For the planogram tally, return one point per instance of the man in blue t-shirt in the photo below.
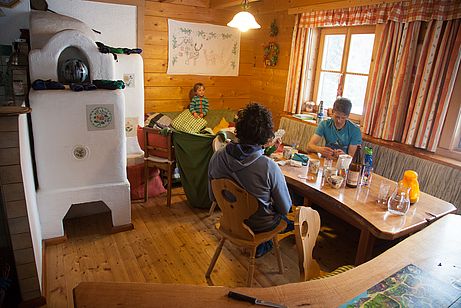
(341, 135)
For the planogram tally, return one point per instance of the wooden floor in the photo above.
(173, 245)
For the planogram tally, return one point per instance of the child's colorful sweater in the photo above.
(199, 105)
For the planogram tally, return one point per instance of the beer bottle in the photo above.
(353, 175)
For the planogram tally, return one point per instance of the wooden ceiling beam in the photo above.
(224, 4)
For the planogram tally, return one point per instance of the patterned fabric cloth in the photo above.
(302, 67)
(157, 120)
(405, 11)
(186, 122)
(199, 105)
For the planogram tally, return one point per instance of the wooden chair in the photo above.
(237, 205)
(307, 227)
(159, 153)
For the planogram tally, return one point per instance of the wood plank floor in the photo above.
(173, 245)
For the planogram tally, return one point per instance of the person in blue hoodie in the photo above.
(260, 176)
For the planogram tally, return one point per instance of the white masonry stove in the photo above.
(79, 137)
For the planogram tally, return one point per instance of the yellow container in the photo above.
(410, 179)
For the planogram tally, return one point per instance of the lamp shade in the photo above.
(244, 21)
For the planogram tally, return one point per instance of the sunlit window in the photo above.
(345, 56)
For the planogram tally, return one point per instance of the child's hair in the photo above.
(193, 91)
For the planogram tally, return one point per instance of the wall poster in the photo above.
(202, 49)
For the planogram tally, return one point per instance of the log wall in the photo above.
(255, 81)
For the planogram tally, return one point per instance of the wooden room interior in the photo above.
(158, 257)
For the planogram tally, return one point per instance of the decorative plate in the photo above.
(100, 117)
(80, 152)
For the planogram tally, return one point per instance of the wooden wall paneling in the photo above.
(165, 92)
(199, 3)
(268, 84)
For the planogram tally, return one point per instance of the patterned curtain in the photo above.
(411, 85)
(301, 70)
(404, 11)
(434, 82)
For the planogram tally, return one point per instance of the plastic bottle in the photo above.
(410, 179)
(368, 160)
(353, 176)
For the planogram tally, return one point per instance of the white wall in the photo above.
(15, 18)
(117, 23)
(31, 196)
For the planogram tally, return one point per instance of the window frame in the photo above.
(449, 144)
(348, 31)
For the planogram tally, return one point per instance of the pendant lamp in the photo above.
(244, 20)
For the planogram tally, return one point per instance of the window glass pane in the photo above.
(333, 52)
(361, 48)
(355, 88)
(328, 86)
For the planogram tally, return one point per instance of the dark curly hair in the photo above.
(254, 124)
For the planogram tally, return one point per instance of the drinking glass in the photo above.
(367, 173)
(383, 194)
(399, 202)
(327, 162)
(313, 168)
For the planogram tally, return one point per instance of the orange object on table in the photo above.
(410, 179)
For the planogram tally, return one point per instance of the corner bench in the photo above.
(439, 180)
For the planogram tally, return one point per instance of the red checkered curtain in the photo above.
(411, 85)
(300, 79)
(404, 11)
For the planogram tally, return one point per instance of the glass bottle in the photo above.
(410, 179)
(320, 115)
(399, 202)
(355, 167)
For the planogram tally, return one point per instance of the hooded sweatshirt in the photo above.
(259, 176)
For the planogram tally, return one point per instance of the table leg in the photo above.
(365, 248)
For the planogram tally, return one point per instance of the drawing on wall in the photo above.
(100, 117)
(130, 126)
(202, 49)
(128, 79)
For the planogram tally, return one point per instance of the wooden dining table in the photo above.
(436, 250)
(359, 207)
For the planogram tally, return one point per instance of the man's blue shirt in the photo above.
(339, 139)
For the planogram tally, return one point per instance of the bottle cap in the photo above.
(368, 150)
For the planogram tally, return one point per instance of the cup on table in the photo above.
(367, 174)
(383, 194)
(327, 162)
(287, 152)
(313, 168)
(329, 171)
(335, 181)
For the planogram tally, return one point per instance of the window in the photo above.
(450, 139)
(343, 65)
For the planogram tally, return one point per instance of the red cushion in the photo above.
(136, 178)
(158, 140)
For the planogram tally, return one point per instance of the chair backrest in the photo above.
(157, 144)
(236, 205)
(307, 227)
